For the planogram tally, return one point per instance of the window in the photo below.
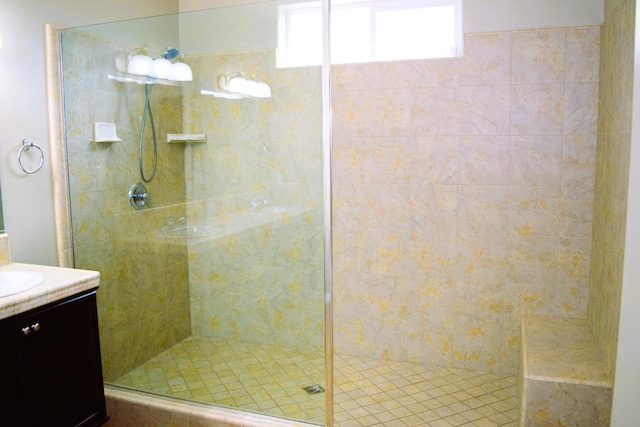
(364, 31)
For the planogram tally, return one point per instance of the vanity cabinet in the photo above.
(50, 367)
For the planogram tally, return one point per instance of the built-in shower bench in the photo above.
(563, 378)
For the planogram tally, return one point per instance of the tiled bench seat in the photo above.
(563, 380)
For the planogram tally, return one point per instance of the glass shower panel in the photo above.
(213, 291)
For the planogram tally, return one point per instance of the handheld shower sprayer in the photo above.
(164, 69)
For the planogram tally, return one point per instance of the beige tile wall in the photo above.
(612, 174)
(262, 279)
(143, 300)
(5, 249)
(463, 194)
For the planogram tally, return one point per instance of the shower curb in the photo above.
(128, 408)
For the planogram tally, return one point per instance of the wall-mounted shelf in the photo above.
(133, 78)
(222, 94)
(181, 138)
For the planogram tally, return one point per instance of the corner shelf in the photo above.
(133, 78)
(182, 138)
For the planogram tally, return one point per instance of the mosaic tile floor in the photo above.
(368, 392)
(373, 392)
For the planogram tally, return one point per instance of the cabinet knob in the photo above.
(33, 328)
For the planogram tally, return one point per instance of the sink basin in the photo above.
(14, 282)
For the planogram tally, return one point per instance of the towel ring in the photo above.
(26, 144)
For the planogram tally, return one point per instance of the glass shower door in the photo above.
(213, 291)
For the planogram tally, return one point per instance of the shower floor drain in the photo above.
(313, 389)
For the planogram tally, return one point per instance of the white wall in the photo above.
(626, 393)
(490, 15)
(189, 5)
(241, 28)
(28, 200)
(154, 33)
(501, 15)
(253, 27)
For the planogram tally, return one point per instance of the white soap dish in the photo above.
(105, 132)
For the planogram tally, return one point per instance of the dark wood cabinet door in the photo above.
(65, 363)
(56, 379)
(13, 384)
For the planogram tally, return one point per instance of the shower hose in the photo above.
(147, 109)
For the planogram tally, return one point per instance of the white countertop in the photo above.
(58, 283)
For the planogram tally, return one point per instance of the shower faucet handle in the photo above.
(141, 198)
(138, 196)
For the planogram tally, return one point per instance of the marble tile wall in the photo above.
(553, 403)
(143, 294)
(612, 174)
(263, 282)
(463, 194)
(563, 378)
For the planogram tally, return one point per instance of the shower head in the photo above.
(170, 53)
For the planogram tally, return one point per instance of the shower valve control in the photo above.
(138, 196)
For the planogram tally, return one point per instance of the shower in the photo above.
(454, 208)
(200, 272)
